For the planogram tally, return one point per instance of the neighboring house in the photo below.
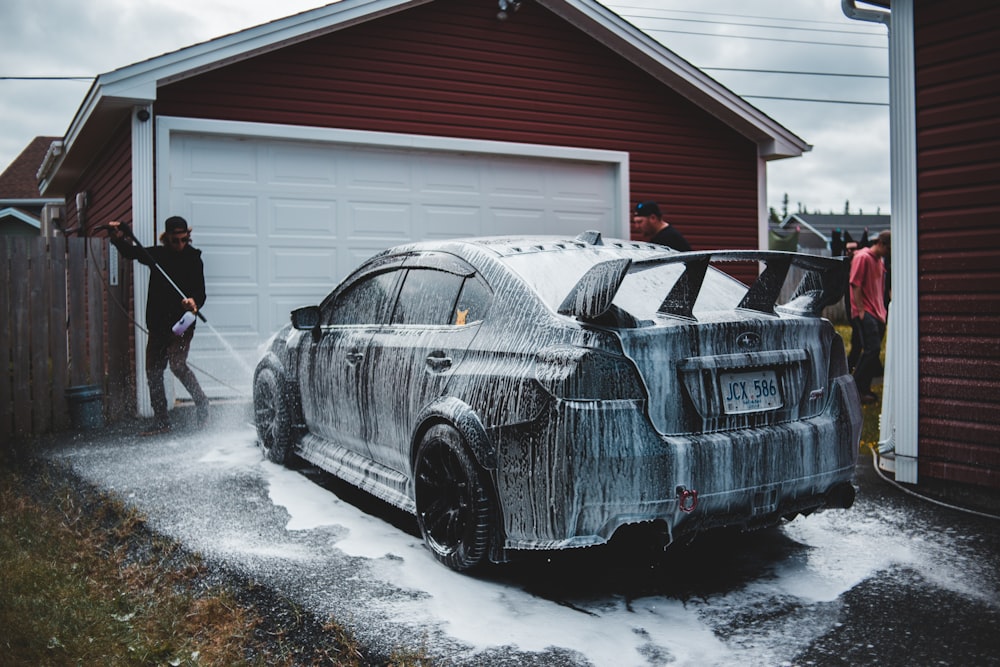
(941, 411)
(300, 147)
(817, 231)
(20, 203)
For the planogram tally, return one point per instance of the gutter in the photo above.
(899, 428)
(852, 11)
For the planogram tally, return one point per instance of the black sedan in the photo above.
(541, 393)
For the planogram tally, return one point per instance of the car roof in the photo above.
(506, 246)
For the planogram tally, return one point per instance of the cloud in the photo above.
(850, 156)
(849, 161)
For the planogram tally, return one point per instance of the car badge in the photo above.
(748, 341)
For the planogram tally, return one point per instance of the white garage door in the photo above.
(280, 222)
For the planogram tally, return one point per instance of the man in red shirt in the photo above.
(868, 312)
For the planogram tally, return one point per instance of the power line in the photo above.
(739, 16)
(781, 71)
(46, 78)
(755, 25)
(807, 99)
(769, 39)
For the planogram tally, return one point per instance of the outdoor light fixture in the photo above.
(508, 7)
(142, 115)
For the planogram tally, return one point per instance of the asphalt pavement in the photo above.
(895, 580)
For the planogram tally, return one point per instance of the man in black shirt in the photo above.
(164, 307)
(648, 225)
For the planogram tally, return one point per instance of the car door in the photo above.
(335, 370)
(438, 312)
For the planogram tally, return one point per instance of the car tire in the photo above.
(452, 499)
(272, 416)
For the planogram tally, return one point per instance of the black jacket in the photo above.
(672, 238)
(185, 268)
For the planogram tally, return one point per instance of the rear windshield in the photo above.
(553, 275)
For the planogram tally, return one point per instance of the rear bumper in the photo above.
(583, 470)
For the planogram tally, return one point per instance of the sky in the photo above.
(798, 45)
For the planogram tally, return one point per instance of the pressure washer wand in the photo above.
(128, 232)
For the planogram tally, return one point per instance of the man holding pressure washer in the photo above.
(176, 293)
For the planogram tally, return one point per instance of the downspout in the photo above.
(899, 432)
(144, 228)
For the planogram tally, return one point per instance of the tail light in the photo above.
(586, 374)
(838, 358)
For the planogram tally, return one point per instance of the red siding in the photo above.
(108, 182)
(958, 176)
(451, 68)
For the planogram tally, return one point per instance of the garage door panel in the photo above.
(580, 186)
(507, 181)
(230, 265)
(222, 214)
(306, 220)
(234, 314)
(450, 176)
(218, 160)
(301, 266)
(354, 254)
(574, 222)
(379, 219)
(441, 222)
(383, 171)
(301, 166)
(516, 221)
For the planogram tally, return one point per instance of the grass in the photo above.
(871, 411)
(85, 582)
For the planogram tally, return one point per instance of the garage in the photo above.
(281, 214)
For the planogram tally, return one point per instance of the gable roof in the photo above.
(11, 215)
(19, 181)
(113, 94)
(824, 224)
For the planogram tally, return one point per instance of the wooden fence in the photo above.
(61, 327)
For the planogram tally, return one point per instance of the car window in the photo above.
(427, 297)
(473, 302)
(364, 302)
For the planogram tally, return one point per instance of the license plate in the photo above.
(754, 391)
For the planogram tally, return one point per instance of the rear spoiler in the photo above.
(823, 283)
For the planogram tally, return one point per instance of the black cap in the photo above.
(647, 208)
(175, 224)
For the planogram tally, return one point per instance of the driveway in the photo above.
(893, 580)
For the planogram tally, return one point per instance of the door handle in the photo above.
(438, 362)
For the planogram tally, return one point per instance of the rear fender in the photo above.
(464, 419)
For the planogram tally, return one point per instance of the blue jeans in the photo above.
(869, 365)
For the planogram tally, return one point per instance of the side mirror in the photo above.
(306, 319)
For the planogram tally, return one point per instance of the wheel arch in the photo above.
(459, 415)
